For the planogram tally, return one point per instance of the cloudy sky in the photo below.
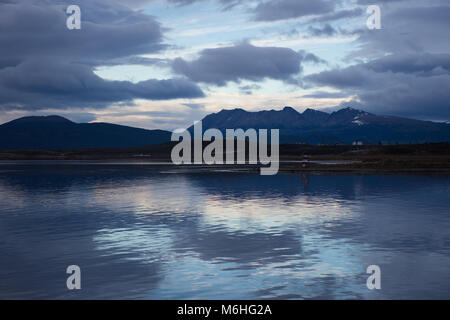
(165, 63)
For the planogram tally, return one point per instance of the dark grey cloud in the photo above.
(108, 32)
(279, 9)
(340, 14)
(320, 30)
(45, 65)
(248, 89)
(414, 85)
(242, 61)
(288, 9)
(136, 60)
(311, 57)
(227, 4)
(326, 30)
(45, 83)
(370, 2)
(417, 27)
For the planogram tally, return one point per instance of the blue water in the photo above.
(155, 232)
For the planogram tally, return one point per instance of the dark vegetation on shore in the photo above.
(431, 156)
(417, 157)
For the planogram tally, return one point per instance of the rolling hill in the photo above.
(55, 132)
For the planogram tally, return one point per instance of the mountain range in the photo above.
(344, 126)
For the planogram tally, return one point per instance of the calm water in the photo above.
(153, 232)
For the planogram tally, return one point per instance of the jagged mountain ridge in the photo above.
(311, 126)
(343, 126)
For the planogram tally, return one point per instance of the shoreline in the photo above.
(295, 158)
(285, 166)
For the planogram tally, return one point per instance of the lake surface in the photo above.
(157, 232)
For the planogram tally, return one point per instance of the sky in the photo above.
(166, 63)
